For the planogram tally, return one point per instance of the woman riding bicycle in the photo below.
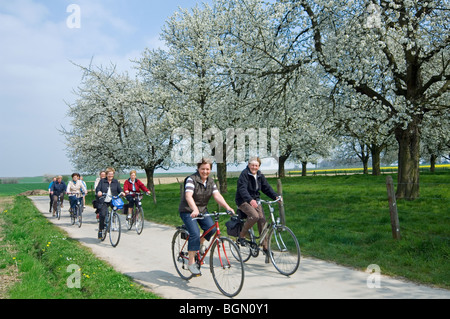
(133, 185)
(74, 187)
(250, 182)
(57, 191)
(109, 187)
(198, 189)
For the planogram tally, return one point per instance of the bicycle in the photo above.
(282, 247)
(58, 207)
(137, 216)
(77, 213)
(112, 223)
(228, 273)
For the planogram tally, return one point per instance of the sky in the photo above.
(39, 42)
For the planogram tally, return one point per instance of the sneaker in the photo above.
(194, 270)
(100, 235)
(242, 241)
(202, 250)
(129, 217)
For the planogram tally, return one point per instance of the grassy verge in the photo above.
(346, 219)
(47, 260)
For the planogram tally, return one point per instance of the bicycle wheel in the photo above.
(105, 231)
(227, 272)
(284, 250)
(73, 215)
(180, 253)
(139, 220)
(130, 221)
(79, 215)
(114, 229)
(248, 250)
(58, 211)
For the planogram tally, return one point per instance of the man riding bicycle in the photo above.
(250, 182)
(57, 191)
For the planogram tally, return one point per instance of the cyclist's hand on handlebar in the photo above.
(99, 194)
(280, 198)
(230, 211)
(195, 213)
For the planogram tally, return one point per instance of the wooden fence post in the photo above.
(281, 205)
(395, 224)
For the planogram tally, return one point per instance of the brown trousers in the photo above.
(254, 216)
(55, 201)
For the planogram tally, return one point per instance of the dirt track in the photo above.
(147, 259)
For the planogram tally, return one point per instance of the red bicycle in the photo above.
(225, 261)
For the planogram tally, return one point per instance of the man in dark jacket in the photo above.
(58, 189)
(250, 183)
(109, 187)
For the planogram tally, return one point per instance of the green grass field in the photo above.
(46, 260)
(346, 219)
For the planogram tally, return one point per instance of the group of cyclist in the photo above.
(198, 190)
(106, 187)
(75, 188)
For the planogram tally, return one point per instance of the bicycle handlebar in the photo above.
(215, 214)
(113, 197)
(137, 193)
(270, 202)
(75, 194)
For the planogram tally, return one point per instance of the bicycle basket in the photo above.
(118, 202)
(234, 226)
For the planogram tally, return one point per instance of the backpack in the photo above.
(234, 226)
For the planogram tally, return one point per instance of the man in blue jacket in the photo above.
(250, 183)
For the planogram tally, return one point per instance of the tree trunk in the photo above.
(433, 163)
(222, 177)
(408, 161)
(376, 150)
(366, 165)
(149, 171)
(281, 161)
(304, 164)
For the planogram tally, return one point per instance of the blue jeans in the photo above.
(74, 200)
(194, 231)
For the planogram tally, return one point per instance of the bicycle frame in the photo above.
(139, 199)
(79, 197)
(201, 257)
(268, 226)
(227, 270)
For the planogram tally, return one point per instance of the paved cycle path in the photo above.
(147, 259)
